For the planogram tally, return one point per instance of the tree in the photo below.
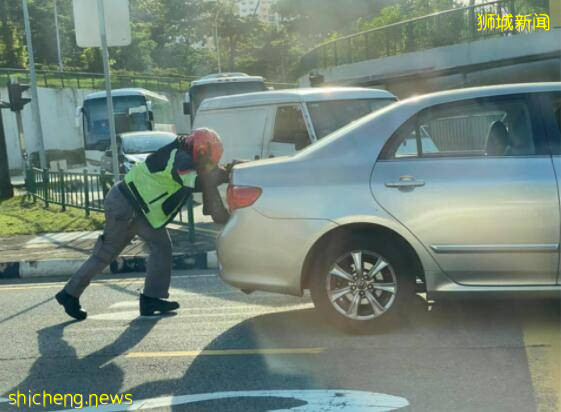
(11, 34)
(315, 20)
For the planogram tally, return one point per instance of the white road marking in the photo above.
(126, 281)
(316, 400)
(127, 304)
(187, 313)
(4, 400)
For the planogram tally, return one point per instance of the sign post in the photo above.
(112, 29)
(35, 96)
(110, 116)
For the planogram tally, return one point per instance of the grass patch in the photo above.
(20, 216)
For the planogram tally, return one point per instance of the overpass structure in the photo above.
(437, 52)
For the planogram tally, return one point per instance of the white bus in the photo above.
(135, 110)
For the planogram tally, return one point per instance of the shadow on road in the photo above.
(60, 369)
(353, 362)
(449, 331)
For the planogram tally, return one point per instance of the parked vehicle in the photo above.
(220, 84)
(134, 147)
(135, 110)
(277, 123)
(457, 192)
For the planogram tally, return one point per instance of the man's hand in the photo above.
(216, 176)
(212, 203)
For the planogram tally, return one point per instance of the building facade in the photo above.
(260, 8)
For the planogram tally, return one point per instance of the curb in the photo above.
(123, 264)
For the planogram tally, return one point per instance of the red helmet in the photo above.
(205, 144)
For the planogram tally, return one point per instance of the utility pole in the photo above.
(6, 189)
(110, 115)
(58, 49)
(216, 38)
(35, 99)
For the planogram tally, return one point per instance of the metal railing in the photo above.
(87, 191)
(84, 80)
(421, 33)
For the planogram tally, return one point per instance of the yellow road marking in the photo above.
(226, 352)
(542, 339)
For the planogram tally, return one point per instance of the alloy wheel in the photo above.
(361, 285)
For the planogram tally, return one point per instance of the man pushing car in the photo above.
(147, 199)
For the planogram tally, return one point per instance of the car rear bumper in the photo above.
(259, 253)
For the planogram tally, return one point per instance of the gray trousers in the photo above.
(121, 225)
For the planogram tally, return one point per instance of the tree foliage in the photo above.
(169, 36)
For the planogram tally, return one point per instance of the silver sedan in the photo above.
(449, 193)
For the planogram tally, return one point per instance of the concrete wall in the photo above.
(62, 139)
(507, 59)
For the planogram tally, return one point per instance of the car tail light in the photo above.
(239, 197)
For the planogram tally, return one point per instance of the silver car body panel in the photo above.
(505, 248)
(557, 168)
(331, 184)
(264, 259)
(480, 209)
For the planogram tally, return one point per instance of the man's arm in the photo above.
(207, 183)
(212, 202)
(185, 169)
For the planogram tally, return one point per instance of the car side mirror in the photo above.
(78, 117)
(301, 142)
(109, 153)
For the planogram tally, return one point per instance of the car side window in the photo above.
(290, 127)
(482, 127)
(406, 142)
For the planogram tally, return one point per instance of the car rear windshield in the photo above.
(333, 115)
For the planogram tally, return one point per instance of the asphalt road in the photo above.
(274, 352)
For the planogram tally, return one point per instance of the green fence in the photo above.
(84, 80)
(435, 30)
(83, 190)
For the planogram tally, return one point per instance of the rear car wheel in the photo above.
(361, 284)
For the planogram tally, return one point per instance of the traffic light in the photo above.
(15, 91)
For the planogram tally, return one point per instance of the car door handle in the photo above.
(406, 182)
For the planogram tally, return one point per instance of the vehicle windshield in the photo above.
(332, 115)
(145, 143)
(207, 91)
(131, 115)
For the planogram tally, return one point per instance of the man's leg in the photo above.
(117, 233)
(158, 267)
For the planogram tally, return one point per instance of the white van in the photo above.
(276, 123)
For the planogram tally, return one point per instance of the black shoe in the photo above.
(149, 306)
(71, 305)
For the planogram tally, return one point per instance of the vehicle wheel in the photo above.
(362, 285)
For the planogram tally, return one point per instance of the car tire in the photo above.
(366, 308)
